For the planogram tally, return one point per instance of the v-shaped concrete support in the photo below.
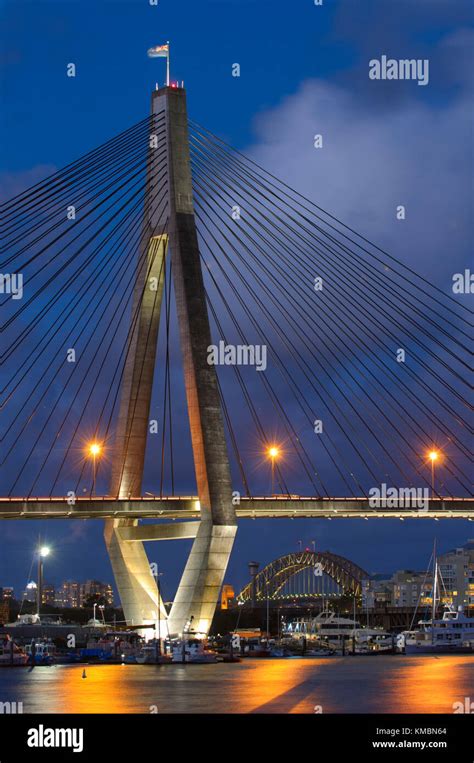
(202, 579)
(136, 585)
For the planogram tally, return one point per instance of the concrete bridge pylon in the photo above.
(214, 534)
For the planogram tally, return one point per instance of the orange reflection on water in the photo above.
(426, 684)
(274, 686)
(379, 684)
(264, 685)
(104, 690)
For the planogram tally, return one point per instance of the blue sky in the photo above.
(274, 45)
(303, 68)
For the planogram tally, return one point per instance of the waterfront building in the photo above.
(375, 593)
(94, 588)
(73, 594)
(457, 573)
(410, 589)
(30, 592)
(68, 595)
(405, 589)
(227, 596)
(48, 594)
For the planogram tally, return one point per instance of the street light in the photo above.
(43, 552)
(273, 453)
(433, 456)
(95, 449)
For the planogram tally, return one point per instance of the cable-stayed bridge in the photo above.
(248, 507)
(172, 308)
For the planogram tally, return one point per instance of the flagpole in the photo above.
(168, 65)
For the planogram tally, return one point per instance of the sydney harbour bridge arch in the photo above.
(274, 580)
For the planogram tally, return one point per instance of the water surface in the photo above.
(377, 684)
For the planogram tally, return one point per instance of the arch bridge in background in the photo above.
(272, 579)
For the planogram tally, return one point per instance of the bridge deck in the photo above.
(187, 507)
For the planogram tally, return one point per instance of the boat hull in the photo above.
(18, 661)
(438, 649)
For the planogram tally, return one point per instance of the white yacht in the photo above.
(334, 632)
(453, 632)
(25, 620)
(150, 654)
(191, 650)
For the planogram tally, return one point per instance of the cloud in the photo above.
(13, 183)
(413, 152)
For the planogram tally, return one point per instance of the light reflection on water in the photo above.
(387, 684)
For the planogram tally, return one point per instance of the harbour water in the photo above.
(382, 684)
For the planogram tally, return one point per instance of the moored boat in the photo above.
(10, 653)
(192, 650)
(41, 652)
(453, 632)
(112, 646)
(332, 633)
(149, 654)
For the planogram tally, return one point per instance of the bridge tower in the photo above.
(214, 534)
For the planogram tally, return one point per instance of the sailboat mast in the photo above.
(435, 591)
(435, 581)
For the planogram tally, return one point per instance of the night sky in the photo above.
(303, 71)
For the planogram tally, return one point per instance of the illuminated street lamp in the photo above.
(433, 456)
(43, 552)
(95, 449)
(273, 453)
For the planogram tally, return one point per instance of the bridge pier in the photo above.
(198, 591)
(136, 585)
